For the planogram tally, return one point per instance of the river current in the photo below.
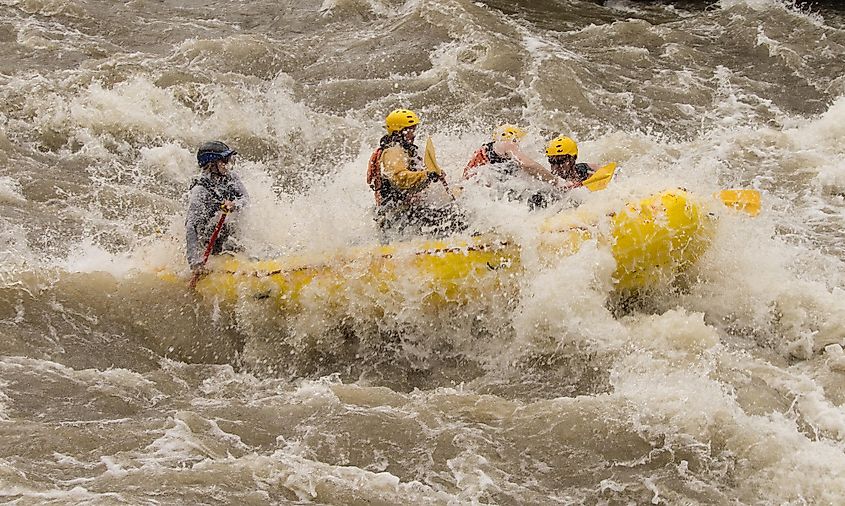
(118, 386)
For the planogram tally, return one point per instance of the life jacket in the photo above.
(486, 155)
(384, 190)
(220, 191)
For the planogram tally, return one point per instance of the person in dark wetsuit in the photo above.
(562, 153)
(214, 190)
(397, 173)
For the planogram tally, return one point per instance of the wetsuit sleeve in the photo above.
(194, 221)
(396, 170)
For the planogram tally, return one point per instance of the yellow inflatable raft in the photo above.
(652, 241)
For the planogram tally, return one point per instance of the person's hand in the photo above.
(566, 185)
(433, 176)
(228, 206)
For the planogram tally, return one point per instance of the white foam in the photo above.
(137, 104)
(685, 401)
(381, 8)
(192, 438)
(170, 160)
(757, 5)
(567, 301)
(5, 400)
(675, 333)
(87, 256)
(316, 392)
(48, 7)
(471, 473)
(315, 481)
(820, 140)
(10, 191)
(777, 49)
(15, 251)
(311, 219)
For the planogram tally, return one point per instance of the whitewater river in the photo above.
(119, 385)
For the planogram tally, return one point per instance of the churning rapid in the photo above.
(118, 384)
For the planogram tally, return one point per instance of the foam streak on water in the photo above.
(119, 385)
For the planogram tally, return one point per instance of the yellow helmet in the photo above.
(508, 132)
(562, 146)
(400, 119)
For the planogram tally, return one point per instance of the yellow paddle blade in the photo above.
(747, 201)
(429, 158)
(431, 164)
(600, 178)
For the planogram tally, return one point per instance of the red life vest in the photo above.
(385, 191)
(485, 155)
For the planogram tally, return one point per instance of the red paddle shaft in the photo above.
(210, 246)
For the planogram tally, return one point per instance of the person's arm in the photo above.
(528, 165)
(193, 221)
(395, 163)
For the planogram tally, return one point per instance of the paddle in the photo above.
(431, 162)
(198, 274)
(600, 178)
(747, 201)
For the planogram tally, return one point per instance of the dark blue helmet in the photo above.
(212, 151)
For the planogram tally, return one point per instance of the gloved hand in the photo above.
(433, 176)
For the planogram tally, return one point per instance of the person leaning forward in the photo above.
(562, 153)
(396, 170)
(397, 174)
(214, 191)
(505, 158)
